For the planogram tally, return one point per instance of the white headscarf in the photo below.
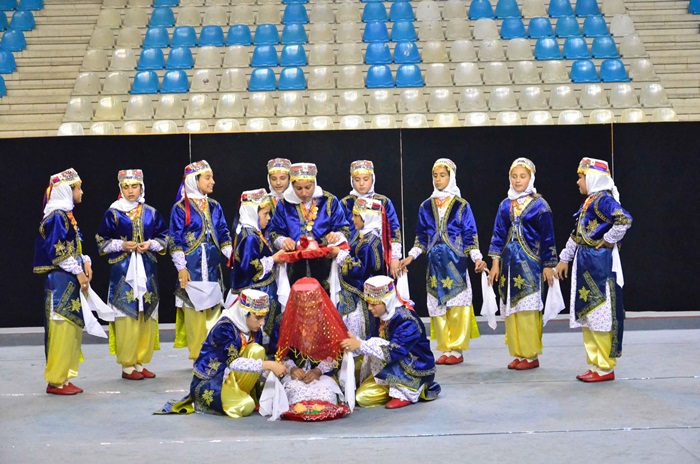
(238, 314)
(61, 199)
(597, 181)
(124, 205)
(530, 189)
(191, 187)
(290, 195)
(389, 299)
(451, 188)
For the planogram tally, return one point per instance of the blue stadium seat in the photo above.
(376, 31)
(151, 59)
(378, 53)
(175, 81)
(694, 7)
(262, 80)
(576, 48)
(613, 70)
(157, 3)
(401, 11)
(547, 48)
(583, 71)
(163, 17)
(7, 62)
(406, 53)
(587, 8)
(379, 77)
(3, 22)
(559, 8)
(293, 55)
(374, 12)
(292, 79)
(13, 41)
(22, 20)
(184, 36)
(156, 37)
(403, 31)
(8, 5)
(264, 56)
(3, 88)
(211, 35)
(370, 1)
(567, 26)
(513, 28)
(604, 47)
(479, 9)
(507, 9)
(294, 34)
(145, 82)
(180, 58)
(295, 13)
(34, 5)
(408, 75)
(540, 27)
(266, 34)
(239, 34)
(594, 26)
(287, 2)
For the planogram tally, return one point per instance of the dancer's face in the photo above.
(263, 217)
(581, 182)
(357, 220)
(519, 178)
(206, 182)
(254, 323)
(77, 193)
(377, 309)
(131, 192)
(441, 177)
(279, 181)
(304, 189)
(362, 183)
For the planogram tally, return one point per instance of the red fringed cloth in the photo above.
(311, 325)
(309, 249)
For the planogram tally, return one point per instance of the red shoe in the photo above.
(77, 389)
(514, 363)
(396, 403)
(64, 390)
(135, 375)
(442, 359)
(452, 360)
(147, 374)
(595, 377)
(585, 375)
(525, 365)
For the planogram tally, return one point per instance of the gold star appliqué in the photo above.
(231, 349)
(433, 282)
(75, 305)
(213, 365)
(583, 294)
(190, 237)
(447, 283)
(518, 282)
(147, 297)
(130, 296)
(592, 225)
(502, 281)
(60, 247)
(208, 396)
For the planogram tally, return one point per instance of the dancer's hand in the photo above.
(313, 374)
(561, 271)
(276, 368)
(548, 274)
(479, 266)
(298, 373)
(352, 343)
(289, 245)
(495, 271)
(184, 277)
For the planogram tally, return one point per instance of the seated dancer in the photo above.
(253, 260)
(309, 345)
(362, 180)
(369, 252)
(402, 364)
(307, 211)
(230, 362)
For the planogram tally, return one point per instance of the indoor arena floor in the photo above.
(485, 413)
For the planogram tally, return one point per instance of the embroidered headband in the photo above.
(303, 171)
(130, 176)
(279, 165)
(257, 197)
(587, 164)
(367, 205)
(448, 163)
(377, 288)
(255, 302)
(524, 162)
(198, 167)
(360, 167)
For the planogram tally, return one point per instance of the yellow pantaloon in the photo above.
(135, 339)
(454, 329)
(598, 345)
(524, 334)
(64, 353)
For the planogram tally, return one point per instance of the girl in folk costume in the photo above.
(131, 234)
(366, 258)
(522, 249)
(198, 233)
(58, 254)
(362, 179)
(401, 362)
(309, 345)
(253, 260)
(277, 180)
(446, 231)
(230, 362)
(596, 275)
(307, 211)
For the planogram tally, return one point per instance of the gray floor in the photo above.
(485, 413)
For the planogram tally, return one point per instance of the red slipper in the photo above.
(135, 375)
(452, 360)
(595, 377)
(514, 363)
(147, 374)
(63, 390)
(77, 389)
(525, 364)
(442, 359)
(396, 403)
